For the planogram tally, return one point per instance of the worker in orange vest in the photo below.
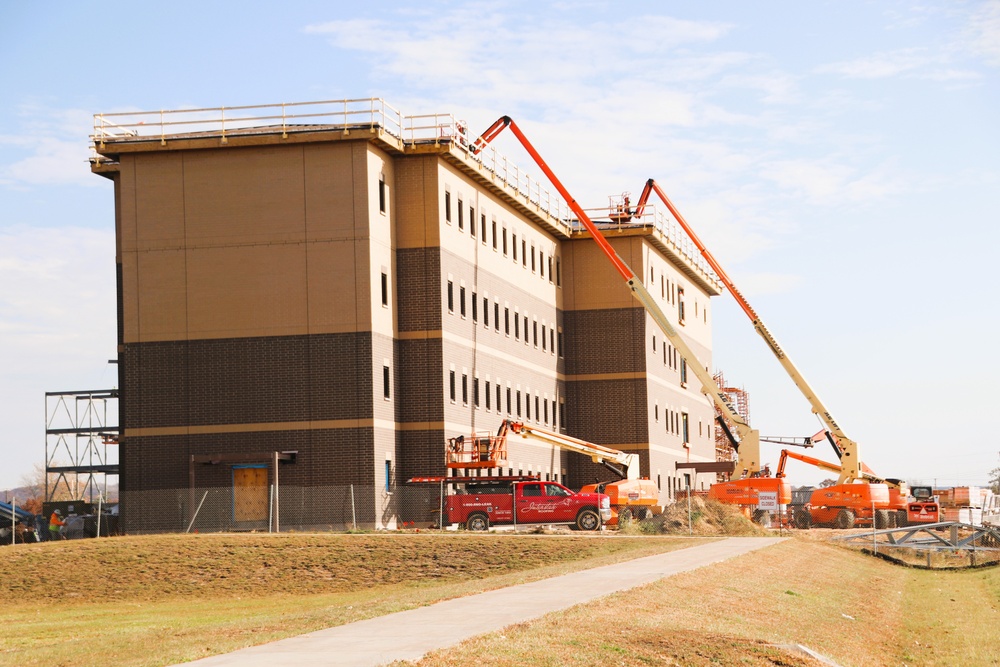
(55, 523)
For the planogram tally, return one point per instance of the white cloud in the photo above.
(881, 65)
(50, 148)
(983, 32)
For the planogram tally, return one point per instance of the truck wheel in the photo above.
(902, 519)
(588, 519)
(624, 517)
(881, 519)
(803, 520)
(478, 521)
(845, 519)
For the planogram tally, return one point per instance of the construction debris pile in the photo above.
(707, 517)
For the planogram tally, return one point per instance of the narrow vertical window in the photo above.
(475, 392)
(487, 391)
(472, 222)
(550, 268)
(525, 329)
(534, 328)
(513, 246)
(538, 412)
(447, 206)
(544, 346)
(559, 339)
(558, 273)
(385, 382)
(684, 371)
(486, 312)
(482, 220)
(475, 308)
(381, 193)
(385, 289)
(524, 252)
(465, 389)
(527, 404)
(517, 327)
(518, 405)
(496, 316)
(506, 321)
(508, 401)
(505, 244)
(545, 407)
(684, 429)
(541, 263)
(498, 396)
(461, 301)
(654, 343)
(451, 297)
(552, 340)
(562, 414)
(494, 234)
(451, 385)
(461, 216)
(532, 259)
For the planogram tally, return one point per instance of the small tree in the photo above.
(995, 479)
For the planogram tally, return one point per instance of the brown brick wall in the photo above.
(605, 341)
(418, 289)
(248, 380)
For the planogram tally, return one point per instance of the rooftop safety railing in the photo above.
(372, 113)
(617, 217)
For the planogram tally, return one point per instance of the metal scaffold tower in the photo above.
(81, 438)
(740, 400)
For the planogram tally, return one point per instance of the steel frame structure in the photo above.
(78, 442)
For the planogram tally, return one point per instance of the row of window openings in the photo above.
(499, 238)
(677, 423)
(549, 336)
(672, 359)
(673, 293)
(514, 400)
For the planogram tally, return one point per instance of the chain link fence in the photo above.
(280, 509)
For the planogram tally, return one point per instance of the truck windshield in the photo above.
(532, 490)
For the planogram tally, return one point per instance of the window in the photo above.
(498, 396)
(680, 305)
(525, 329)
(487, 391)
(684, 372)
(534, 327)
(684, 429)
(508, 401)
(505, 244)
(543, 338)
(385, 382)
(451, 297)
(461, 219)
(541, 263)
(475, 308)
(538, 412)
(506, 321)
(560, 341)
(518, 404)
(545, 406)
(451, 385)
(461, 301)
(550, 268)
(385, 289)
(654, 342)
(381, 193)
(472, 222)
(531, 490)
(527, 404)
(513, 245)
(663, 287)
(558, 273)
(517, 327)
(447, 206)
(482, 220)
(465, 389)
(524, 252)
(486, 312)
(553, 412)
(665, 355)
(652, 278)
(494, 234)
(475, 391)
(532, 259)
(656, 412)
(496, 316)
(562, 413)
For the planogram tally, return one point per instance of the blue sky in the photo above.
(839, 158)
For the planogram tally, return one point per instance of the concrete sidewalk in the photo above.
(408, 635)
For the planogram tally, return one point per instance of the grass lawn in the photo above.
(159, 600)
(854, 609)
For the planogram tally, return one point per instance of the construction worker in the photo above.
(55, 523)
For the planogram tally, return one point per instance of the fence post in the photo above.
(100, 497)
(354, 516)
(270, 508)
(196, 512)
(13, 518)
(441, 507)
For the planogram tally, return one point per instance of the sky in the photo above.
(840, 159)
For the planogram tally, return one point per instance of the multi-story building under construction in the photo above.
(329, 291)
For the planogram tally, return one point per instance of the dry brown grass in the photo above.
(159, 600)
(857, 610)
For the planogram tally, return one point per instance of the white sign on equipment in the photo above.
(768, 501)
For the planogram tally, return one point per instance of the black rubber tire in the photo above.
(803, 520)
(624, 517)
(902, 519)
(644, 514)
(762, 518)
(588, 519)
(845, 519)
(881, 519)
(478, 522)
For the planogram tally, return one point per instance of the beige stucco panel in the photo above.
(247, 291)
(244, 195)
(591, 281)
(329, 187)
(130, 298)
(159, 200)
(335, 293)
(162, 295)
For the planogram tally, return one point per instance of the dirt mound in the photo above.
(708, 517)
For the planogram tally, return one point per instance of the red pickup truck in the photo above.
(484, 504)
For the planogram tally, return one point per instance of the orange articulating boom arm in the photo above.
(749, 445)
(847, 450)
(785, 455)
(598, 454)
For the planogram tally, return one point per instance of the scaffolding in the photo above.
(740, 400)
(80, 443)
